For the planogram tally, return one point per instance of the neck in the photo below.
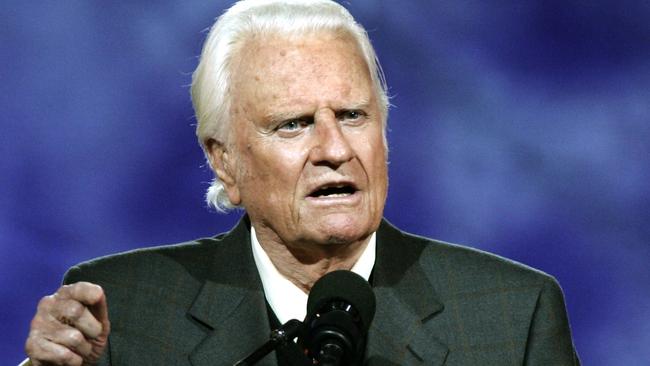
(303, 263)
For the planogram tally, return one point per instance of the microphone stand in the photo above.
(279, 337)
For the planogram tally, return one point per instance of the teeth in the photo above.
(337, 195)
(339, 190)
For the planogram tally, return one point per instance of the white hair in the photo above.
(211, 81)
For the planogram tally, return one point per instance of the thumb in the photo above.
(100, 311)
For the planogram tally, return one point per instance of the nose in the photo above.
(331, 146)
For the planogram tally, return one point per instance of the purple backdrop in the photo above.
(518, 127)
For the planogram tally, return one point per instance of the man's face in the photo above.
(307, 153)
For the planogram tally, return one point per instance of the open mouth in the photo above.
(339, 190)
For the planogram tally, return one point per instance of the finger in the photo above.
(73, 313)
(93, 296)
(85, 292)
(45, 351)
(89, 325)
(100, 312)
(73, 339)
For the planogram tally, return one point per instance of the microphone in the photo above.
(340, 308)
(279, 337)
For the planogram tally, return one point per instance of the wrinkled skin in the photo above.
(71, 327)
(305, 117)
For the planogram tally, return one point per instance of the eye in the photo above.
(351, 115)
(293, 125)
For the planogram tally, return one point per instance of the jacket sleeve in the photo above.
(549, 337)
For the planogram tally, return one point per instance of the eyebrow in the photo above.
(285, 116)
(363, 104)
(275, 117)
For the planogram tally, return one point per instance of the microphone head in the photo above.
(345, 286)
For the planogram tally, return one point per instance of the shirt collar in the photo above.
(287, 300)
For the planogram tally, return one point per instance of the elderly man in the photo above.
(292, 111)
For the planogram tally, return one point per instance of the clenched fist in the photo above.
(70, 327)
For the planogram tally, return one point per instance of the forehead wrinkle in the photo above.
(286, 96)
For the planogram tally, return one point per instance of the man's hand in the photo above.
(70, 327)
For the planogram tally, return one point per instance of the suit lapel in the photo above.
(239, 325)
(231, 305)
(401, 333)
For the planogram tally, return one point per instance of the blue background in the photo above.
(519, 127)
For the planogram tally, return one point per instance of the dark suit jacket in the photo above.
(202, 303)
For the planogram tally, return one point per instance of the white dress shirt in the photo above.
(287, 300)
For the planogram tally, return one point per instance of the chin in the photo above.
(343, 230)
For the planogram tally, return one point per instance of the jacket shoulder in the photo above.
(138, 262)
(508, 310)
(474, 268)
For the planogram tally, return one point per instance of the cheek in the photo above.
(376, 154)
(377, 166)
(277, 168)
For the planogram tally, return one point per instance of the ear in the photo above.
(222, 163)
